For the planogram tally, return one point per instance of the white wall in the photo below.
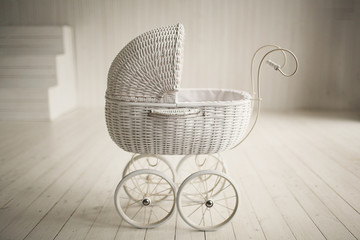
(221, 36)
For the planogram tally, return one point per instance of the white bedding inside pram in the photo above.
(210, 95)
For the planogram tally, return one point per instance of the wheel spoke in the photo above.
(202, 218)
(192, 204)
(224, 188)
(216, 183)
(219, 213)
(162, 208)
(197, 191)
(206, 188)
(151, 210)
(164, 194)
(195, 210)
(137, 212)
(154, 213)
(166, 200)
(145, 214)
(156, 186)
(147, 188)
(137, 185)
(211, 219)
(167, 189)
(136, 189)
(127, 204)
(225, 198)
(130, 204)
(224, 206)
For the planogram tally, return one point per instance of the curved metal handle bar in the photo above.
(253, 59)
(258, 99)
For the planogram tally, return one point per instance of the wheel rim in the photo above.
(148, 161)
(148, 207)
(204, 210)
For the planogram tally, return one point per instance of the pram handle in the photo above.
(174, 112)
(277, 67)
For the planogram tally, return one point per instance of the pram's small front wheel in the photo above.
(198, 204)
(152, 200)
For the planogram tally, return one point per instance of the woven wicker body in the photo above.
(185, 128)
(146, 112)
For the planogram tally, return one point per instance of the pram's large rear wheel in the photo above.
(152, 200)
(207, 200)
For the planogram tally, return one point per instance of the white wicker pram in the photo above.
(147, 114)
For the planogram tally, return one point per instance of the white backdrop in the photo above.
(221, 36)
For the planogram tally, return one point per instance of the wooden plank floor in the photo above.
(298, 175)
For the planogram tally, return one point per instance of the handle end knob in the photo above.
(273, 64)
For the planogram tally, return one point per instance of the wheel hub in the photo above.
(209, 203)
(146, 201)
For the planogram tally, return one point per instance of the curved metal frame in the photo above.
(186, 157)
(159, 158)
(277, 67)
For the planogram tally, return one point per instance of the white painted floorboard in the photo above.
(298, 175)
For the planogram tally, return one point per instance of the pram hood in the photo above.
(148, 69)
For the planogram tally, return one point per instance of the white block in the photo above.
(62, 97)
(37, 72)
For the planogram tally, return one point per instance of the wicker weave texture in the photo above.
(143, 114)
(148, 69)
(215, 129)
